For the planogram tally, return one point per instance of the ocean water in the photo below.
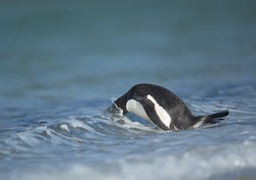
(62, 62)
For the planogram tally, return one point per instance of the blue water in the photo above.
(61, 63)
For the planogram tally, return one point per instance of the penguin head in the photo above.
(121, 103)
(131, 100)
(135, 94)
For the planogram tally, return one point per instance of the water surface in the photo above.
(61, 63)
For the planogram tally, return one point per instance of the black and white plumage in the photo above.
(162, 107)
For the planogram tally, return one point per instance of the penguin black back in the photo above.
(162, 107)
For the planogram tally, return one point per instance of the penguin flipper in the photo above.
(152, 114)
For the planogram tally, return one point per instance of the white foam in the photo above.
(64, 127)
(114, 108)
(194, 164)
(74, 123)
(113, 99)
(132, 125)
(28, 138)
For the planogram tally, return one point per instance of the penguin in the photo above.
(162, 107)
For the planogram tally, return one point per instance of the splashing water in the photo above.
(102, 144)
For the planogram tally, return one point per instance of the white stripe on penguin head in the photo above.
(160, 111)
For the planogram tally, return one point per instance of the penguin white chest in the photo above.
(136, 108)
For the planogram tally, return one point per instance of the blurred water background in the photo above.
(62, 61)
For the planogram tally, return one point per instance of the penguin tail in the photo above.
(216, 117)
(210, 119)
